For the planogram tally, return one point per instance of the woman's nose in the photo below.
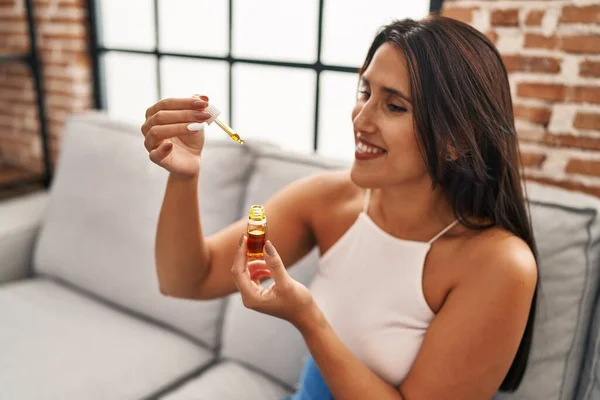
(363, 120)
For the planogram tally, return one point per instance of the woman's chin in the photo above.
(362, 177)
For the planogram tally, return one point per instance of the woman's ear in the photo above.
(451, 153)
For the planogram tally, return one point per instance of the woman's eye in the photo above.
(364, 93)
(395, 108)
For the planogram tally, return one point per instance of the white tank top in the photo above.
(369, 287)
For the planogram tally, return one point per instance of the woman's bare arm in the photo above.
(190, 265)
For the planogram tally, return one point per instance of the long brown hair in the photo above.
(464, 122)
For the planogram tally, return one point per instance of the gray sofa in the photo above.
(81, 316)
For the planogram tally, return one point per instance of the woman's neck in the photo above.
(412, 213)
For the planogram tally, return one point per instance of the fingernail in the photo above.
(202, 116)
(195, 127)
(168, 146)
(199, 104)
(205, 98)
(241, 240)
(269, 249)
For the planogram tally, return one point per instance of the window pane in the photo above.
(275, 104)
(194, 26)
(117, 28)
(130, 85)
(276, 30)
(350, 26)
(184, 77)
(336, 100)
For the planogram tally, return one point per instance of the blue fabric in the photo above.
(312, 384)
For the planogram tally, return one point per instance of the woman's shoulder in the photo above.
(496, 250)
(325, 196)
(329, 187)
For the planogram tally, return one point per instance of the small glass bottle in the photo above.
(257, 236)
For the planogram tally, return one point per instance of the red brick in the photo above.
(59, 3)
(538, 115)
(533, 40)
(67, 57)
(14, 44)
(584, 14)
(556, 92)
(583, 167)
(569, 185)
(64, 36)
(587, 121)
(21, 139)
(505, 17)
(532, 160)
(11, 18)
(534, 17)
(542, 91)
(590, 69)
(580, 44)
(13, 28)
(65, 91)
(531, 64)
(571, 141)
(65, 80)
(61, 19)
(16, 67)
(16, 84)
(584, 94)
(464, 14)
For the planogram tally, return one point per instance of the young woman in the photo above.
(427, 279)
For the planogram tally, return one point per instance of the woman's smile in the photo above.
(367, 151)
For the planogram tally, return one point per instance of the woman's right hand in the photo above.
(174, 132)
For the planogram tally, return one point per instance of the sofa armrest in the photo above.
(20, 221)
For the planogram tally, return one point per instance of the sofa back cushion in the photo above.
(589, 386)
(272, 345)
(568, 238)
(99, 230)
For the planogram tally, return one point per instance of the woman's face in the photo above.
(387, 150)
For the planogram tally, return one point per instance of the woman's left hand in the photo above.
(285, 298)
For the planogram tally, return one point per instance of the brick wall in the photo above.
(551, 49)
(62, 44)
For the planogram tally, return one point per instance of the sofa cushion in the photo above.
(229, 381)
(19, 228)
(270, 344)
(568, 238)
(589, 386)
(56, 343)
(101, 220)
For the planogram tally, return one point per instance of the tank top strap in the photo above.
(366, 201)
(446, 229)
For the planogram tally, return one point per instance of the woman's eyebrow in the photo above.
(389, 90)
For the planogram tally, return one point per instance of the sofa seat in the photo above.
(229, 380)
(56, 343)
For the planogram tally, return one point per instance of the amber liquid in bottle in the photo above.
(257, 236)
(256, 242)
